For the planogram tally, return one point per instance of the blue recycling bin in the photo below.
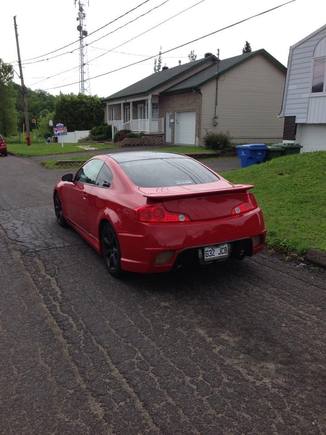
(251, 153)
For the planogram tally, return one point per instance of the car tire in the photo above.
(111, 250)
(58, 211)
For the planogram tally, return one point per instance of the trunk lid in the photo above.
(201, 201)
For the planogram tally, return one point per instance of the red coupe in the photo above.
(3, 146)
(151, 211)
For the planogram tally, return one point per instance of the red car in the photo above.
(3, 146)
(150, 211)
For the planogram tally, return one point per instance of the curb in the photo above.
(201, 155)
(316, 257)
(70, 162)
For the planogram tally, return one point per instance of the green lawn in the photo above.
(292, 193)
(72, 162)
(42, 149)
(52, 164)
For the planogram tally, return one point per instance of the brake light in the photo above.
(158, 214)
(244, 207)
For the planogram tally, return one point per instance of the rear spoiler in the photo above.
(176, 192)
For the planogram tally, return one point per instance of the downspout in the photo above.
(215, 118)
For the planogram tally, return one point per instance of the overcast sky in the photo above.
(45, 25)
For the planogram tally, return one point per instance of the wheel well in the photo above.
(100, 227)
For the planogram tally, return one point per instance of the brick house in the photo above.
(240, 95)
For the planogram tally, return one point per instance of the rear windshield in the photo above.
(167, 172)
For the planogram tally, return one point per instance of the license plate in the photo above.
(211, 253)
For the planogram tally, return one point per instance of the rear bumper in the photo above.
(140, 251)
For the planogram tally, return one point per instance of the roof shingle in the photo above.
(154, 80)
(218, 69)
(148, 84)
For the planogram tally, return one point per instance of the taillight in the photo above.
(158, 214)
(244, 207)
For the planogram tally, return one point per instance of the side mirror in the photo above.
(68, 177)
(106, 184)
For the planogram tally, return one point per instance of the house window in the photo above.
(318, 77)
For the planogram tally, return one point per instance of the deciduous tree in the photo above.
(8, 116)
(79, 112)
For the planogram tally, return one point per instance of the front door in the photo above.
(141, 111)
(168, 127)
(185, 128)
(126, 113)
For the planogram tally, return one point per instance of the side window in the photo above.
(89, 172)
(105, 176)
(319, 72)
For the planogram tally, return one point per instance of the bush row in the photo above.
(216, 141)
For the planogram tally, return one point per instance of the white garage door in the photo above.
(185, 128)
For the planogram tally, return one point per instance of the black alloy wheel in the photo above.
(58, 211)
(111, 250)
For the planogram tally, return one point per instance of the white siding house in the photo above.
(305, 90)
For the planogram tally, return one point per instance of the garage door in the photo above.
(185, 128)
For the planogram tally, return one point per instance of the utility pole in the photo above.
(82, 33)
(24, 90)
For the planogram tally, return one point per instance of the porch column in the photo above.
(149, 110)
(122, 113)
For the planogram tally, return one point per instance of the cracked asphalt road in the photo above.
(238, 348)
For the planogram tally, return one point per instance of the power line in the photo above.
(137, 54)
(125, 42)
(129, 22)
(91, 33)
(42, 79)
(147, 31)
(101, 37)
(181, 45)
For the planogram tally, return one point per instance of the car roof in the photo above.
(130, 156)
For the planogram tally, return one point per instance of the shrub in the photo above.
(217, 141)
(101, 132)
(135, 135)
(120, 135)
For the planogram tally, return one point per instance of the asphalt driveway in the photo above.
(233, 349)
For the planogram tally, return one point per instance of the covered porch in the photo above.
(137, 115)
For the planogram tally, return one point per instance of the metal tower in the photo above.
(81, 18)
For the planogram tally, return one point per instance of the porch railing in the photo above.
(156, 125)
